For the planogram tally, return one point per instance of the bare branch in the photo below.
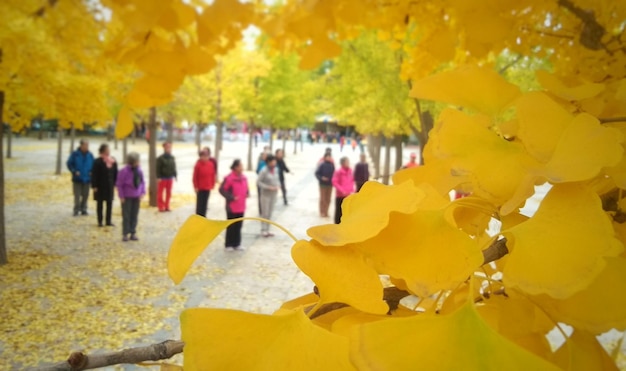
(79, 361)
(495, 251)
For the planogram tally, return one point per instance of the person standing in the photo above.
(269, 183)
(324, 175)
(80, 164)
(235, 190)
(212, 159)
(166, 174)
(282, 169)
(260, 165)
(104, 175)
(342, 142)
(361, 172)
(130, 188)
(412, 162)
(203, 181)
(343, 181)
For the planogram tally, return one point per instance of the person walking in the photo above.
(103, 177)
(282, 169)
(269, 183)
(80, 164)
(260, 165)
(361, 172)
(343, 181)
(324, 175)
(235, 190)
(130, 188)
(166, 174)
(203, 181)
(412, 162)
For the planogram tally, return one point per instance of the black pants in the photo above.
(359, 185)
(202, 199)
(258, 192)
(338, 202)
(284, 190)
(99, 205)
(233, 232)
(130, 215)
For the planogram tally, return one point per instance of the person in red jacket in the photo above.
(203, 181)
(235, 190)
(343, 181)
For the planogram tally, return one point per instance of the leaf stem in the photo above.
(269, 222)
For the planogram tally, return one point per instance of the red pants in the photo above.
(164, 185)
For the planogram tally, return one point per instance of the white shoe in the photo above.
(239, 248)
(229, 248)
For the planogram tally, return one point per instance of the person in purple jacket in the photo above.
(130, 187)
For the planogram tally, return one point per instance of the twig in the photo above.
(80, 361)
(612, 119)
(495, 251)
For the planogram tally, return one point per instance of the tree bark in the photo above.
(80, 361)
(72, 137)
(110, 131)
(284, 142)
(398, 146)
(170, 132)
(295, 143)
(387, 168)
(199, 136)
(378, 142)
(251, 133)
(59, 149)
(152, 186)
(9, 142)
(134, 134)
(3, 240)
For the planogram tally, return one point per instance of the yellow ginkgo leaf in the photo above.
(192, 238)
(220, 339)
(341, 275)
(599, 307)
(438, 176)
(583, 352)
(367, 212)
(438, 342)
(321, 49)
(426, 251)
(301, 301)
(571, 93)
(565, 243)
(124, 125)
(541, 124)
(478, 88)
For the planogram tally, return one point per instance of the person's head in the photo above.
(270, 161)
(104, 150)
(266, 149)
(84, 145)
(208, 150)
(328, 157)
(345, 162)
(363, 158)
(167, 147)
(328, 150)
(413, 157)
(132, 159)
(237, 166)
(279, 153)
(264, 156)
(204, 155)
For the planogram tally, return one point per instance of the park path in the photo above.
(73, 286)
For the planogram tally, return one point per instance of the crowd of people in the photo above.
(103, 176)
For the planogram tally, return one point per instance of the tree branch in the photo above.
(80, 361)
(612, 119)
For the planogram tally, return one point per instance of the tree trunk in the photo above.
(59, 150)
(219, 136)
(110, 131)
(199, 136)
(152, 186)
(72, 137)
(387, 168)
(301, 142)
(398, 145)
(295, 144)
(9, 142)
(134, 135)
(3, 239)
(124, 150)
(378, 142)
(115, 142)
(170, 132)
(40, 134)
(284, 142)
(250, 141)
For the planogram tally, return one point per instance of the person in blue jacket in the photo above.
(80, 164)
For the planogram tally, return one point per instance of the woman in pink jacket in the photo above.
(343, 181)
(235, 189)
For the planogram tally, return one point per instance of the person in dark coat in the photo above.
(282, 169)
(80, 164)
(324, 175)
(361, 173)
(103, 177)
